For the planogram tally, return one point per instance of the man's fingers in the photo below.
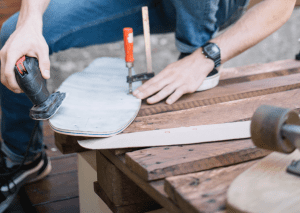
(176, 95)
(9, 75)
(162, 94)
(44, 62)
(150, 83)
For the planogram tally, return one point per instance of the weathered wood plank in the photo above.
(117, 186)
(8, 8)
(204, 191)
(259, 68)
(68, 144)
(218, 113)
(53, 188)
(160, 162)
(62, 206)
(119, 162)
(225, 93)
(138, 207)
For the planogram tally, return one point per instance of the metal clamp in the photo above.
(140, 77)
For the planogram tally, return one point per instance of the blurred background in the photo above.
(283, 44)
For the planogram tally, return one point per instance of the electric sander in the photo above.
(30, 80)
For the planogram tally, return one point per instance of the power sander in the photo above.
(30, 80)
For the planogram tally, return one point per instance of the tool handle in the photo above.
(128, 44)
(30, 80)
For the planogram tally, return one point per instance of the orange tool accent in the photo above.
(128, 44)
(20, 65)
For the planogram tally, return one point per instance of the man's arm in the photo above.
(28, 40)
(186, 75)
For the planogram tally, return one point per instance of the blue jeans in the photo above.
(79, 23)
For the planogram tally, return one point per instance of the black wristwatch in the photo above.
(212, 51)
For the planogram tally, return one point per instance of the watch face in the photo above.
(211, 49)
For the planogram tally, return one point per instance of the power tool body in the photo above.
(30, 80)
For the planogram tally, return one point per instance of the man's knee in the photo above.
(8, 27)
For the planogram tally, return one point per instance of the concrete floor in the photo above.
(283, 44)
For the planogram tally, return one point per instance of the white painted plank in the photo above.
(174, 136)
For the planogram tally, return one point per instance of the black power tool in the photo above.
(32, 83)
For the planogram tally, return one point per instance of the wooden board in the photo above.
(183, 135)
(160, 162)
(117, 186)
(139, 207)
(204, 191)
(225, 93)
(97, 102)
(154, 189)
(266, 187)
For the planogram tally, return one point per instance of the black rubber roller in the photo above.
(266, 128)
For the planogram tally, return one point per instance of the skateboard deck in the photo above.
(266, 187)
(97, 102)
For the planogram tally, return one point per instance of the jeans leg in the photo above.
(198, 21)
(74, 23)
(16, 125)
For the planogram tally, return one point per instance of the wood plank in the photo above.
(266, 187)
(63, 164)
(204, 191)
(117, 186)
(62, 206)
(139, 207)
(8, 8)
(259, 68)
(160, 162)
(226, 93)
(153, 192)
(53, 188)
(68, 144)
(49, 141)
(218, 113)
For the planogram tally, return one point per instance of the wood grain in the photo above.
(8, 8)
(254, 69)
(117, 186)
(225, 94)
(154, 189)
(62, 206)
(160, 162)
(53, 188)
(139, 207)
(204, 191)
(266, 187)
(218, 113)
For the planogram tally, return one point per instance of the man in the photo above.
(43, 27)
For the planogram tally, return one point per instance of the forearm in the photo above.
(257, 23)
(32, 10)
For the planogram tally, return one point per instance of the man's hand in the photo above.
(178, 78)
(28, 40)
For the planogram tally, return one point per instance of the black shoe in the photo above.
(11, 179)
(211, 80)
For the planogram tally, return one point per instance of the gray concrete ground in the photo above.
(283, 44)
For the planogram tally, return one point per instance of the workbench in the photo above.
(184, 178)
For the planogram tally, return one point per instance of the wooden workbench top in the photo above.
(194, 178)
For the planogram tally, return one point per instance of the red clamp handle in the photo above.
(128, 44)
